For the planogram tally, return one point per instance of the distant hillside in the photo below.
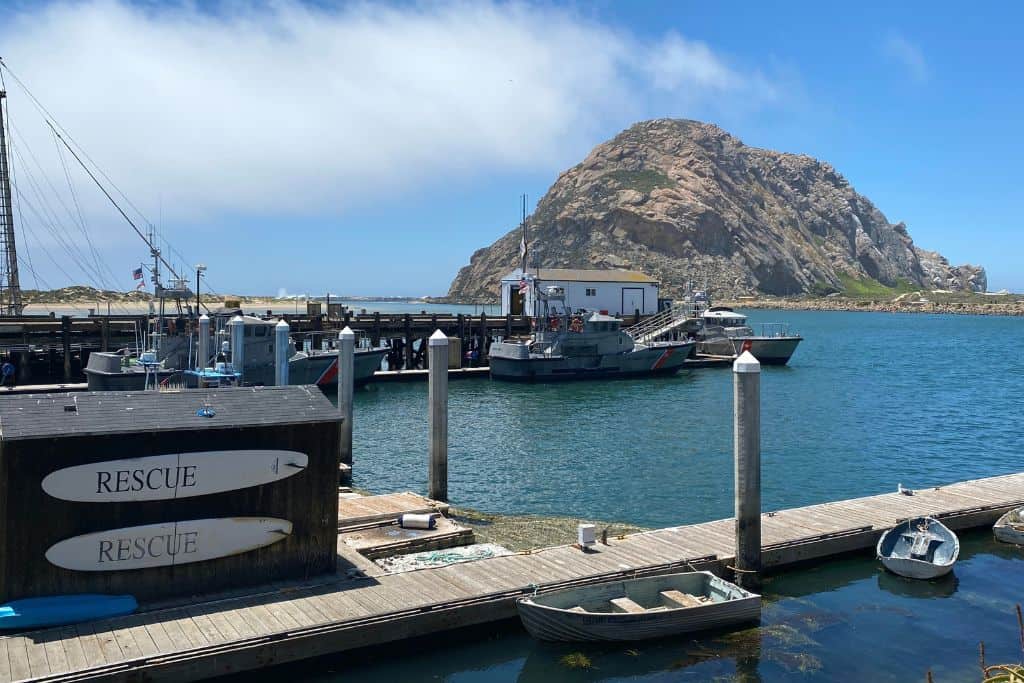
(684, 200)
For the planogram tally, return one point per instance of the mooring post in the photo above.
(65, 340)
(437, 479)
(236, 330)
(203, 343)
(105, 335)
(407, 335)
(281, 330)
(346, 383)
(747, 451)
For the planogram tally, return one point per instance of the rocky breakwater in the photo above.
(685, 201)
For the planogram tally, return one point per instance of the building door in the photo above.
(632, 300)
(515, 300)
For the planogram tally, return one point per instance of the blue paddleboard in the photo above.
(57, 610)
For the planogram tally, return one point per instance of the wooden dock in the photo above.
(292, 621)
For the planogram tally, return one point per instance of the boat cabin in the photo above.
(616, 292)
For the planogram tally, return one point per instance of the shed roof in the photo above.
(582, 275)
(33, 416)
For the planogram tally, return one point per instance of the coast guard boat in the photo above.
(580, 345)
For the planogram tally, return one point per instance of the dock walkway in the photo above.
(295, 621)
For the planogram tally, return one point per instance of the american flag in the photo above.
(523, 285)
(137, 274)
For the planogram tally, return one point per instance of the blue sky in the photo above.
(370, 149)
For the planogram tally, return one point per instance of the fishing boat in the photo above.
(638, 609)
(58, 610)
(920, 548)
(1010, 527)
(580, 345)
(316, 363)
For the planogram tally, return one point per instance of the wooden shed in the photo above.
(160, 494)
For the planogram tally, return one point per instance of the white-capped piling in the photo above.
(437, 430)
(747, 451)
(237, 332)
(203, 343)
(281, 330)
(346, 383)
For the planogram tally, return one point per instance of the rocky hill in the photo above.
(684, 200)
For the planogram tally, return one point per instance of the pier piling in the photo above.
(437, 479)
(747, 451)
(237, 333)
(281, 330)
(203, 343)
(65, 339)
(346, 377)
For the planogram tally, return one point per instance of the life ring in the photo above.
(553, 323)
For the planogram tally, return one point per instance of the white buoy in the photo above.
(237, 332)
(203, 345)
(281, 330)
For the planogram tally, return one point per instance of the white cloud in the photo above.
(906, 54)
(284, 108)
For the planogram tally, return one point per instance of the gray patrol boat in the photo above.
(566, 346)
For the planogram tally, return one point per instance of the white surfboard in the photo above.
(174, 475)
(167, 544)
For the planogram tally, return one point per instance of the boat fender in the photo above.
(414, 521)
(747, 345)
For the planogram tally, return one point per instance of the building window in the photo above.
(591, 292)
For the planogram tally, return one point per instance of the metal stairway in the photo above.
(664, 322)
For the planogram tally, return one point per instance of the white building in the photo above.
(619, 292)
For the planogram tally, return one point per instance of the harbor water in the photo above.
(869, 401)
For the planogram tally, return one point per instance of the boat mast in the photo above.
(10, 288)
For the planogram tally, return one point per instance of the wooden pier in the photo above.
(286, 622)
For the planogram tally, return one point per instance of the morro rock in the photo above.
(685, 201)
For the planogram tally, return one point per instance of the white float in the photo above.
(167, 544)
(174, 475)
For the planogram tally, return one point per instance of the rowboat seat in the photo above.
(921, 545)
(625, 605)
(679, 599)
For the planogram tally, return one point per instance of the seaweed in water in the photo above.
(576, 660)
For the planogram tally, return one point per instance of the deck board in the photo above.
(331, 614)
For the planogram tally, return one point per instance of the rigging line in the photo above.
(51, 121)
(78, 209)
(53, 223)
(116, 205)
(42, 219)
(50, 256)
(98, 273)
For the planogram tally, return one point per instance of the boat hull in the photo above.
(322, 368)
(651, 361)
(63, 609)
(939, 549)
(767, 350)
(558, 621)
(1010, 527)
(126, 380)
